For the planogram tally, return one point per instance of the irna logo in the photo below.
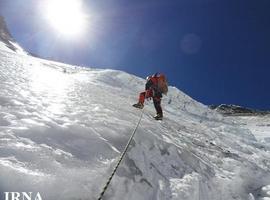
(22, 196)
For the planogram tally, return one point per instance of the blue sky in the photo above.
(215, 51)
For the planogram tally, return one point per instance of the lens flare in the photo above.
(66, 16)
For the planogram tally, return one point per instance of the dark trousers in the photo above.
(156, 101)
(157, 104)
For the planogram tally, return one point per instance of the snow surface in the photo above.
(62, 129)
(259, 125)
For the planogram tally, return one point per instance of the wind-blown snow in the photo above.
(62, 129)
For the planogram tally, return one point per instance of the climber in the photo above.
(155, 86)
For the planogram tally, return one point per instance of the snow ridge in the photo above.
(237, 110)
(7, 41)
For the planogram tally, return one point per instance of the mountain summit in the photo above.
(5, 36)
(7, 40)
(237, 110)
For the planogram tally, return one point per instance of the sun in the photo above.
(66, 16)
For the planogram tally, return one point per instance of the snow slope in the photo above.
(259, 125)
(63, 127)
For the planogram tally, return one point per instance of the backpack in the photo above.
(162, 83)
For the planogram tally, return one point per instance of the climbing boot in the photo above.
(158, 117)
(138, 105)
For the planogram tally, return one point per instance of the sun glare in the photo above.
(66, 16)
